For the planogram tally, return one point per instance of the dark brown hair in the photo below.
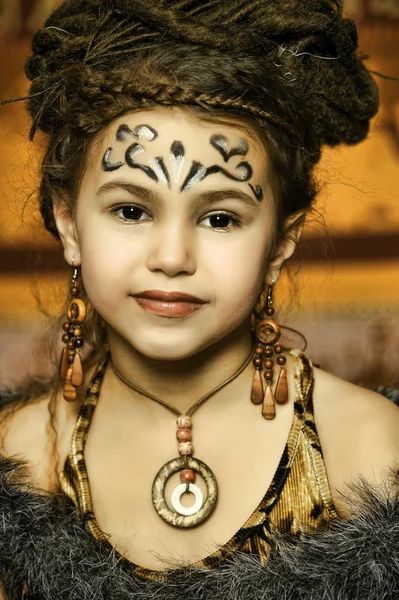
(288, 68)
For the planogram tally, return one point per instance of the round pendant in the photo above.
(182, 516)
(176, 499)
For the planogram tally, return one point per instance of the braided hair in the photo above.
(288, 68)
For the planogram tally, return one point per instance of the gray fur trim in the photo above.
(391, 393)
(43, 544)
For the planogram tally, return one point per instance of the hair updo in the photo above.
(288, 68)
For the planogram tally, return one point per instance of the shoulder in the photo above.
(24, 435)
(358, 430)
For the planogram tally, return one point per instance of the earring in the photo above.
(268, 333)
(71, 364)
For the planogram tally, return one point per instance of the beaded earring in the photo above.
(71, 363)
(268, 333)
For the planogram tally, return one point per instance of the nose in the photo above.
(172, 249)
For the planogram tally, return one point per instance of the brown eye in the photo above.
(221, 221)
(131, 213)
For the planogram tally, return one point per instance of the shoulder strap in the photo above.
(304, 381)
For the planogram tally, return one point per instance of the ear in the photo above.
(67, 231)
(285, 247)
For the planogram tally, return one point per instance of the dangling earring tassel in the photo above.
(257, 387)
(69, 392)
(71, 363)
(281, 391)
(77, 371)
(268, 333)
(64, 364)
(268, 406)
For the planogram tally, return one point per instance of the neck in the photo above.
(179, 382)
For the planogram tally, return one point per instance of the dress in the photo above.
(293, 547)
(298, 500)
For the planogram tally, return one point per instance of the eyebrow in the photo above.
(145, 194)
(131, 188)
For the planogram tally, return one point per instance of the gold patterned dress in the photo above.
(298, 499)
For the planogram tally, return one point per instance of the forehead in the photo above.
(180, 151)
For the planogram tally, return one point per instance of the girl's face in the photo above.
(174, 230)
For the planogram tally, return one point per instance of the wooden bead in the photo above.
(278, 349)
(69, 392)
(76, 311)
(77, 371)
(187, 476)
(64, 364)
(70, 345)
(77, 331)
(269, 352)
(257, 361)
(70, 358)
(74, 291)
(257, 389)
(184, 422)
(270, 311)
(185, 449)
(281, 360)
(268, 375)
(281, 392)
(65, 338)
(184, 435)
(259, 349)
(268, 407)
(79, 342)
(268, 364)
(268, 331)
(65, 326)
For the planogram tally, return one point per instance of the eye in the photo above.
(221, 221)
(131, 212)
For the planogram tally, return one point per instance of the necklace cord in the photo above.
(198, 403)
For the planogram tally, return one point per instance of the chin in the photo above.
(168, 347)
(167, 353)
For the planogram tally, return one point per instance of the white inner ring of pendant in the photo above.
(177, 494)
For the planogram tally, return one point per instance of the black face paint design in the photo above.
(107, 165)
(158, 171)
(198, 172)
(177, 154)
(220, 143)
(139, 132)
(258, 192)
(130, 158)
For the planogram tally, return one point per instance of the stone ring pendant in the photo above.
(182, 516)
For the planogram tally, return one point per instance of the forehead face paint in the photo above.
(157, 170)
(177, 159)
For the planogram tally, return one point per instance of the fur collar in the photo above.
(43, 544)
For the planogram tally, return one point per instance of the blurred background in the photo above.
(342, 290)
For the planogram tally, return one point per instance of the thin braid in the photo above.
(169, 96)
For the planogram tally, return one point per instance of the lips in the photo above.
(168, 304)
(162, 296)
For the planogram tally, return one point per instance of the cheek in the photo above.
(239, 271)
(106, 263)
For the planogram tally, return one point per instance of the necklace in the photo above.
(186, 464)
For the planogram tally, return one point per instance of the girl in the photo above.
(182, 138)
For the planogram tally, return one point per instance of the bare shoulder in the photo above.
(358, 430)
(26, 435)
